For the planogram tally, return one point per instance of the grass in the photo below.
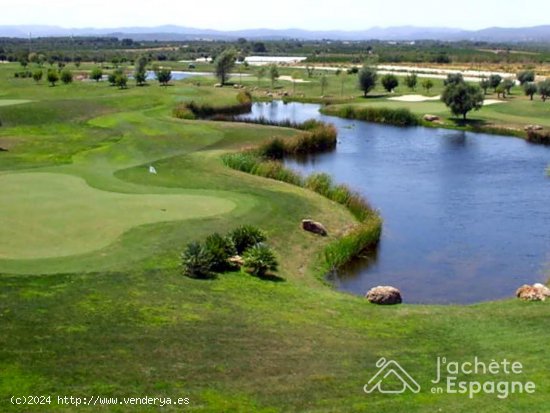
(122, 321)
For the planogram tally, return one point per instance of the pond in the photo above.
(466, 215)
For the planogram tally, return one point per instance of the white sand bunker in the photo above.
(415, 98)
(290, 79)
(488, 102)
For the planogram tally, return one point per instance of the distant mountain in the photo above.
(402, 33)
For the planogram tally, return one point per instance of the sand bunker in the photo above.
(290, 79)
(415, 98)
(488, 102)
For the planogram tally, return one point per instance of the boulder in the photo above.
(384, 295)
(536, 292)
(236, 260)
(430, 118)
(315, 227)
(533, 127)
(218, 85)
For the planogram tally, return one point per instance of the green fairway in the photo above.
(53, 215)
(93, 300)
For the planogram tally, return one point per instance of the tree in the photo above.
(526, 76)
(52, 76)
(37, 75)
(260, 259)
(411, 81)
(96, 74)
(367, 79)
(494, 81)
(544, 89)
(530, 88)
(164, 76)
(273, 74)
(501, 91)
(140, 74)
(453, 79)
(484, 84)
(390, 82)
(121, 80)
(427, 84)
(508, 84)
(224, 63)
(461, 98)
(66, 76)
(324, 83)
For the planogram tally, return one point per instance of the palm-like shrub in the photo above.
(246, 236)
(196, 261)
(260, 259)
(220, 249)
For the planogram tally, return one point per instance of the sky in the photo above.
(281, 14)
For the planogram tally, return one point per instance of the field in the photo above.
(93, 302)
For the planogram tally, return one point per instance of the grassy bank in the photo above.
(120, 320)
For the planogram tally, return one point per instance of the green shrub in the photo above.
(219, 249)
(259, 259)
(246, 236)
(196, 261)
(182, 112)
(244, 96)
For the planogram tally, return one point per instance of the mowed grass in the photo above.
(50, 215)
(121, 320)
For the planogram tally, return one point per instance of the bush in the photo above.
(244, 96)
(182, 112)
(246, 236)
(66, 76)
(205, 110)
(219, 249)
(196, 261)
(260, 259)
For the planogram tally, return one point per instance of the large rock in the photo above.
(533, 127)
(236, 260)
(536, 292)
(431, 118)
(384, 295)
(315, 227)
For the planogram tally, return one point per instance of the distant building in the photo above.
(269, 60)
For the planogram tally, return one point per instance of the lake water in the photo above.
(466, 215)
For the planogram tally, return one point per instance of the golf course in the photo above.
(93, 301)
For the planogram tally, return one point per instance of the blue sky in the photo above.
(306, 14)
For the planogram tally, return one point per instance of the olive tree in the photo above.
(411, 81)
(461, 98)
(223, 65)
(367, 79)
(494, 81)
(526, 76)
(273, 74)
(530, 88)
(390, 82)
(427, 84)
(52, 76)
(544, 89)
(96, 74)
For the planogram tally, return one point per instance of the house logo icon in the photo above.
(391, 370)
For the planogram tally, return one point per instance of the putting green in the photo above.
(53, 215)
